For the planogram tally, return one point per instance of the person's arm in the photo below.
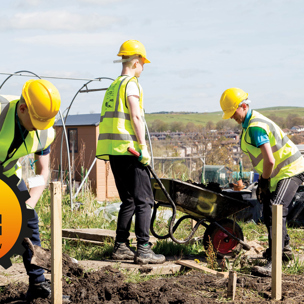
(269, 160)
(42, 168)
(137, 122)
(139, 128)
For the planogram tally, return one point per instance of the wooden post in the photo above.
(56, 244)
(277, 218)
(193, 223)
(231, 285)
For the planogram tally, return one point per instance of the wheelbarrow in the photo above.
(206, 207)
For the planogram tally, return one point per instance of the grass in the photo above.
(203, 118)
(88, 217)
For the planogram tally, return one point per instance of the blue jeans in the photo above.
(34, 272)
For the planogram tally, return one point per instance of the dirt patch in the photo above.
(108, 285)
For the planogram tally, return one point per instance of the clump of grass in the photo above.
(211, 256)
(294, 267)
(169, 248)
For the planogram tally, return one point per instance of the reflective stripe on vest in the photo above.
(288, 159)
(116, 133)
(7, 133)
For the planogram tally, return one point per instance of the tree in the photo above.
(226, 124)
(278, 120)
(297, 139)
(190, 127)
(292, 120)
(210, 125)
(177, 126)
(159, 126)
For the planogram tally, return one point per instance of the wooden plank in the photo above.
(194, 265)
(277, 229)
(231, 285)
(96, 234)
(56, 243)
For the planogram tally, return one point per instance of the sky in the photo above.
(197, 49)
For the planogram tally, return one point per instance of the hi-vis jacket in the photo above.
(116, 133)
(7, 133)
(288, 159)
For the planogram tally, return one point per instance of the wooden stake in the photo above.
(277, 218)
(231, 285)
(56, 243)
(193, 223)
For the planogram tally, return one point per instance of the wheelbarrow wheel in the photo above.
(223, 244)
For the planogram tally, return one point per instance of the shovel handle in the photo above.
(133, 151)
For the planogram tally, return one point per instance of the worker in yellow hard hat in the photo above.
(122, 126)
(274, 156)
(25, 128)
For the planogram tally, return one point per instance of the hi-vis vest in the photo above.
(7, 132)
(116, 133)
(288, 159)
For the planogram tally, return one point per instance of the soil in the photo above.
(107, 285)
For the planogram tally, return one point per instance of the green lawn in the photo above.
(202, 118)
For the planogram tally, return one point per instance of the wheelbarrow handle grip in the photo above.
(133, 151)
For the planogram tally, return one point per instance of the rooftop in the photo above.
(80, 120)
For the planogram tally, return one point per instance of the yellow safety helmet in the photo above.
(43, 102)
(230, 101)
(133, 47)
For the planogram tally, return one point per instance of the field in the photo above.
(113, 285)
(203, 118)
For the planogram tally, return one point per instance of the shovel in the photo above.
(41, 257)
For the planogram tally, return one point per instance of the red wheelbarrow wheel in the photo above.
(222, 243)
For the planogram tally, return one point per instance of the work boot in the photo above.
(287, 254)
(42, 290)
(263, 270)
(145, 255)
(122, 251)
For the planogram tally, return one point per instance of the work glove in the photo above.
(263, 188)
(144, 157)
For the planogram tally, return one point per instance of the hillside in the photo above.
(203, 118)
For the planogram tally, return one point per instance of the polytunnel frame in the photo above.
(29, 72)
(94, 161)
(66, 138)
(63, 120)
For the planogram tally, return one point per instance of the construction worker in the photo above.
(274, 156)
(122, 126)
(20, 124)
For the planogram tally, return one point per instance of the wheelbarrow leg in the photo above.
(245, 245)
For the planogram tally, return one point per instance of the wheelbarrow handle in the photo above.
(133, 151)
(137, 154)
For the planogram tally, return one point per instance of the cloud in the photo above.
(77, 39)
(100, 2)
(57, 20)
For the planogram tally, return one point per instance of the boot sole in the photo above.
(124, 257)
(142, 261)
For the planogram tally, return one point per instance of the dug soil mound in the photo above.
(108, 285)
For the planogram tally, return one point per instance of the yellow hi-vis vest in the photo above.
(7, 133)
(116, 133)
(288, 159)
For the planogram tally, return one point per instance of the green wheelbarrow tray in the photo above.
(203, 205)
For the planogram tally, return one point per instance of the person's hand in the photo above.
(144, 157)
(263, 188)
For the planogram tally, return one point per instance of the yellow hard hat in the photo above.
(230, 101)
(133, 47)
(43, 102)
